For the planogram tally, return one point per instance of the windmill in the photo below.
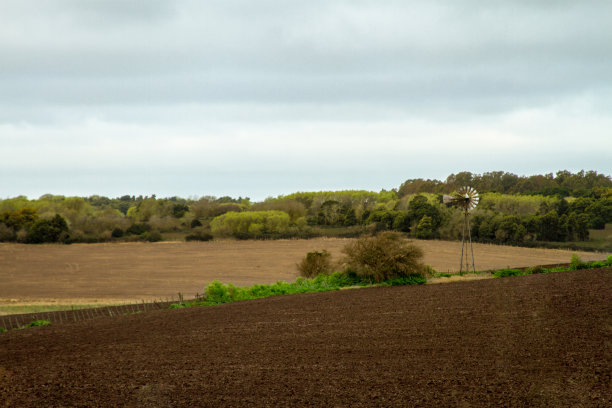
(466, 199)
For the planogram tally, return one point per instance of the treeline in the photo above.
(582, 201)
(562, 184)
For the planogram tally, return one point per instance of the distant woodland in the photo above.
(539, 210)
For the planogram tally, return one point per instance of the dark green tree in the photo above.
(47, 230)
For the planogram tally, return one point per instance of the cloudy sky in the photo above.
(267, 97)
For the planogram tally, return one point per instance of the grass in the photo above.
(575, 264)
(217, 293)
(35, 323)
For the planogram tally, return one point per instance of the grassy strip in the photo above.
(217, 292)
(35, 323)
(575, 264)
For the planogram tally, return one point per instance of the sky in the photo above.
(262, 98)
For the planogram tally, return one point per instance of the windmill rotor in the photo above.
(466, 198)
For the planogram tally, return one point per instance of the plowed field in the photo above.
(89, 273)
(530, 341)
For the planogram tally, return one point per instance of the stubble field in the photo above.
(111, 273)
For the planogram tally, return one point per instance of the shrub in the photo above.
(117, 233)
(199, 235)
(503, 273)
(179, 210)
(413, 279)
(383, 257)
(535, 270)
(576, 263)
(47, 230)
(315, 263)
(138, 228)
(195, 223)
(152, 236)
(6, 233)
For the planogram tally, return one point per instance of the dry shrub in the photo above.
(383, 257)
(315, 263)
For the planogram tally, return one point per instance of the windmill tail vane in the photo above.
(466, 198)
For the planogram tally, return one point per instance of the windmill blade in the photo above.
(447, 199)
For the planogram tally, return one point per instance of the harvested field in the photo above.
(110, 273)
(529, 341)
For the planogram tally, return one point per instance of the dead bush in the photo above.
(383, 257)
(315, 263)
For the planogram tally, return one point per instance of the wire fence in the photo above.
(15, 321)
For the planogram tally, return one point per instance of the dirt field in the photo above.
(90, 273)
(530, 341)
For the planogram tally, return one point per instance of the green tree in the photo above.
(424, 229)
(551, 227)
(47, 230)
(420, 207)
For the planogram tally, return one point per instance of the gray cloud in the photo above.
(357, 74)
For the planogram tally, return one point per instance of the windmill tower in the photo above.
(466, 199)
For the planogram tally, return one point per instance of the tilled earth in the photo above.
(531, 341)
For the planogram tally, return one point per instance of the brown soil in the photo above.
(530, 341)
(86, 273)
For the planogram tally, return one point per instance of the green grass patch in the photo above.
(503, 273)
(575, 264)
(217, 293)
(35, 323)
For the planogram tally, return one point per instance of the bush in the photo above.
(199, 235)
(535, 270)
(48, 230)
(6, 233)
(315, 263)
(117, 233)
(576, 263)
(152, 236)
(503, 273)
(138, 228)
(383, 257)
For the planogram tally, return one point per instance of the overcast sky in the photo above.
(268, 97)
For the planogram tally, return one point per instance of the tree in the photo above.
(551, 227)
(424, 229)
(179, 210)
(420, 207)
(47, 230)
